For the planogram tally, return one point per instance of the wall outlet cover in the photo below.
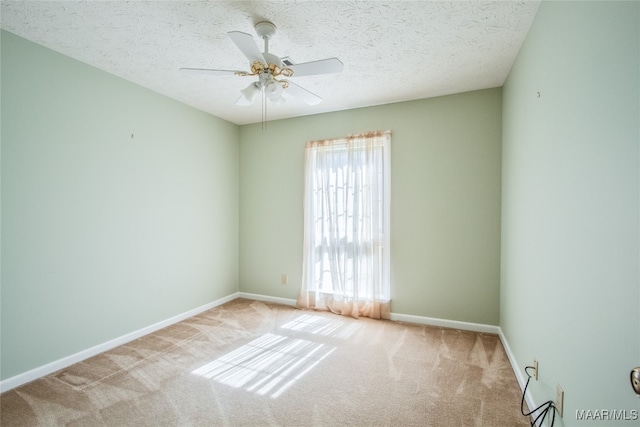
(559, 400)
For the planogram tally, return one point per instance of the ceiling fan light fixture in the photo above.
(250, 92)
(273, 90)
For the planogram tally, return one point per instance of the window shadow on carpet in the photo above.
(271, 363)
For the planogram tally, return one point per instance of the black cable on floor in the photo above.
(545, 407)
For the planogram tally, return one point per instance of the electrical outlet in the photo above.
(535, 368)
(559, 400)
(284, 279)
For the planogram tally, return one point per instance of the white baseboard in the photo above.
(266, 298)
(512, 359)
(455, 324)
(54, 366)
(516, 369)
(467, 326)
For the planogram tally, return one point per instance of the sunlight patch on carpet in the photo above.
(267, 365)
(320, 325)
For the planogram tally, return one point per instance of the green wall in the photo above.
(445, 202)
(119, 207)
(570, 282)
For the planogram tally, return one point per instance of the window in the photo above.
(346, 225)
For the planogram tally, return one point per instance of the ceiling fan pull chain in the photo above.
(264, 109)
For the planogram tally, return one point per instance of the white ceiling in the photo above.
(392, 50)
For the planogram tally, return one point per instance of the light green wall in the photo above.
(570, 283)
(104, 233)
(445, 202)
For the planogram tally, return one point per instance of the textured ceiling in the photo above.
(392, 50)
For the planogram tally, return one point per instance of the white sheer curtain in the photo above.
(346, 226)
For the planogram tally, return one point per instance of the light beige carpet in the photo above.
(248, 363)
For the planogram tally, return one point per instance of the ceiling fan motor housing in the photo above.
(265, 29)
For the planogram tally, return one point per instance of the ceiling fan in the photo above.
(270, 69)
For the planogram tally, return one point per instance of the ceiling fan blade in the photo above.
(303, 94)
(323, 66)
(247, 45)
(209, 71)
